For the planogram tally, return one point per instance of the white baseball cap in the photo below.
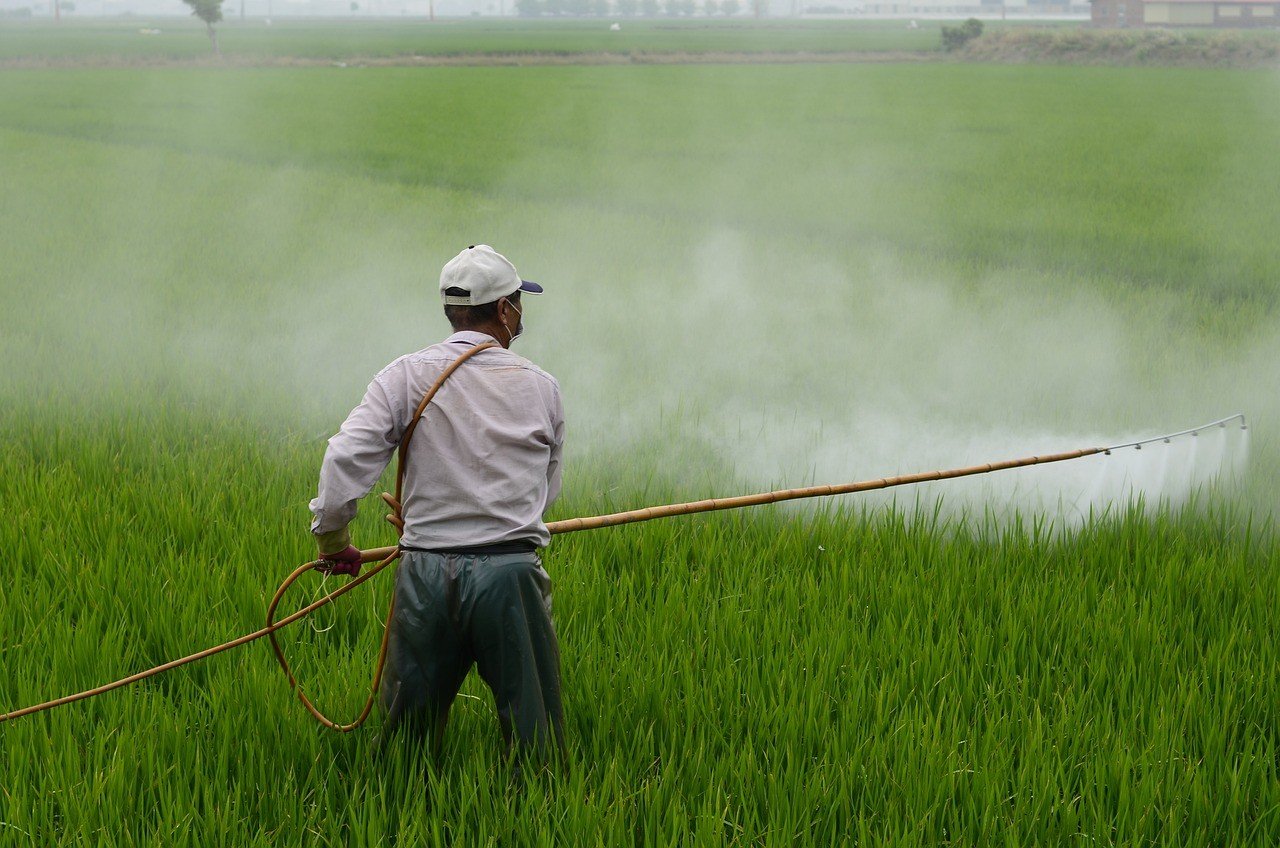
(485, 274)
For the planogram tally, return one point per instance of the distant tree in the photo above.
(760, 8)
(600, 8)
(711, 7)
(671, 8)
(729, 8)
(68, 6)
(355, 7)
(628, 7)
(209, 11)
(578, 8)
(953, 38)
(649, 8)
(688, 8)
(529, 8)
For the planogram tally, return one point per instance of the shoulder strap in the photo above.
(397, 503)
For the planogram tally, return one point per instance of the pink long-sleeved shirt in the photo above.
(484, 462)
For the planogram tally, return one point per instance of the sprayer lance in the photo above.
(573, 525)
(1221, 424)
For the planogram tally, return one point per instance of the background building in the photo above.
(1223, 13)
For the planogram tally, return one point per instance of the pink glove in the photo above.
(345, 561)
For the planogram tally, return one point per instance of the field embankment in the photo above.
(456, 42)
(461, 43)
(1156, 47)
(478, 60)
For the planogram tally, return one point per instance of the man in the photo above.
(482, 467)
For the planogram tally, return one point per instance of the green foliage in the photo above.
(773, 677)
(953, 38)
(209, 11)
(798, 678)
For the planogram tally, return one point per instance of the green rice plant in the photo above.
(181, 243)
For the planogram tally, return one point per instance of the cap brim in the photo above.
(531, 288)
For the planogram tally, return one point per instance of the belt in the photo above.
(518, 546)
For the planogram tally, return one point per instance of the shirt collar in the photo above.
(470, 337)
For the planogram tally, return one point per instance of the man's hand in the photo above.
(345, 561)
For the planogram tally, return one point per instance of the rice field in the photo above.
(120, 41)
(756, 276)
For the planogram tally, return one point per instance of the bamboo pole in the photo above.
(649, 513)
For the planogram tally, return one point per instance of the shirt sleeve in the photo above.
(354, 460)
(557, 447)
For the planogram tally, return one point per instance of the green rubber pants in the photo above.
(493, 611)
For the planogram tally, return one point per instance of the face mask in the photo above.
(511, 337)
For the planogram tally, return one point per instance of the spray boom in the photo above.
(1194, 431)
